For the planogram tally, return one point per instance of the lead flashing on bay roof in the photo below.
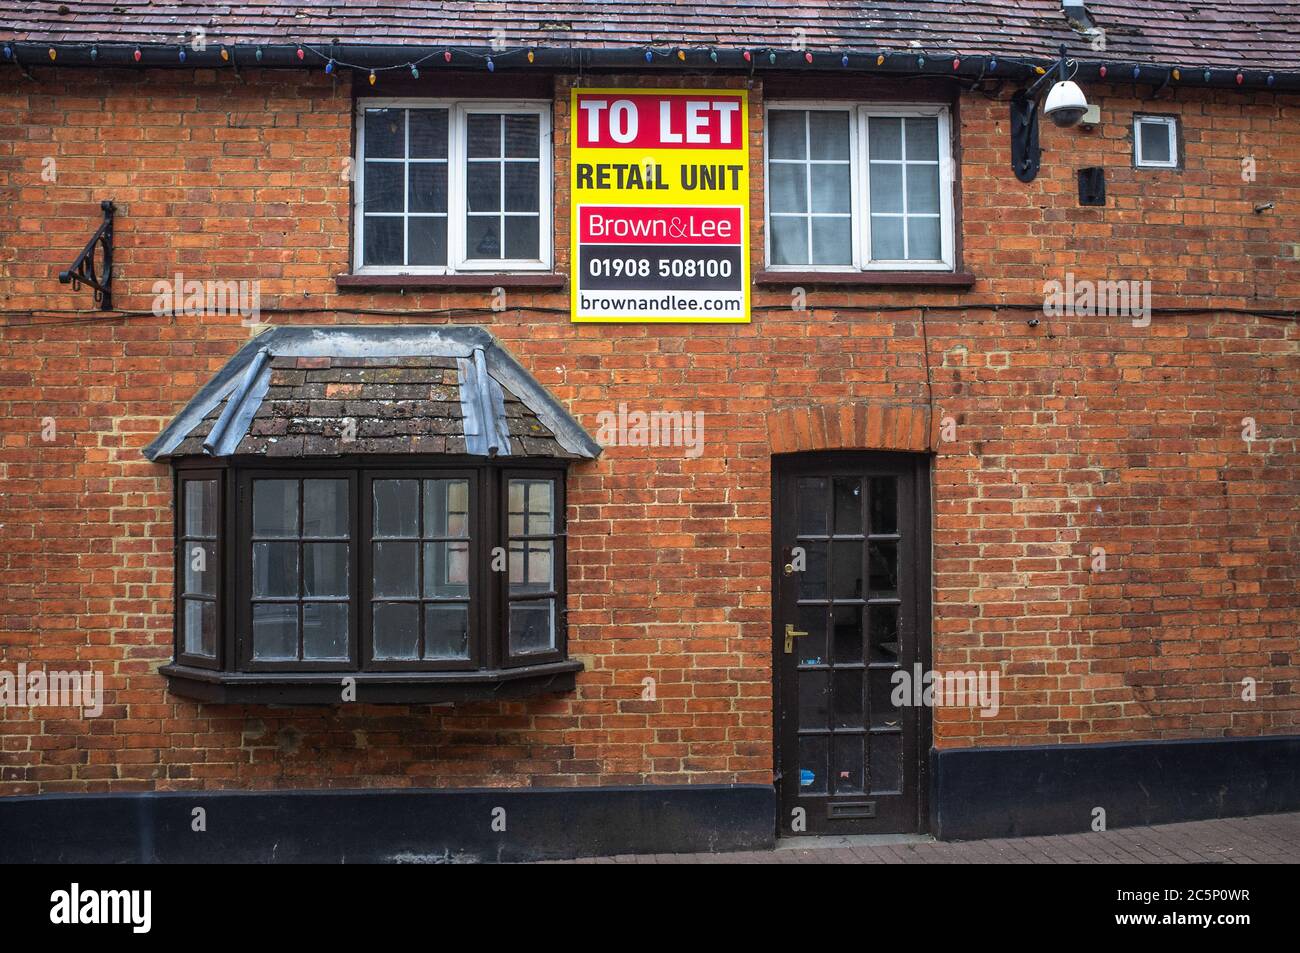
(485, 368)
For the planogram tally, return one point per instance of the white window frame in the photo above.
(1171, 130)
(860, 183)
(457, 261)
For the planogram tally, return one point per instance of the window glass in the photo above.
(904, 188)
(200, 569)
(404, 198)
(530, 519)
(809, 187)
(502, 186)
(1155, 139)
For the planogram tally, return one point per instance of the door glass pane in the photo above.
(814, 703)
(811, 504)
(883, 626)
(883, 492)
(200, 507)
(847, 694)
(397, 630)
(846, 633)
(846, 570)
(848, 506)
(812, 764)
(883, 557)
(275, 508)
(810, 649)
(446, 631)
(325, 630)
(886, 762)
(880, 698)
(812, 581)
(532, 626)
(849, 765)
(275, 631)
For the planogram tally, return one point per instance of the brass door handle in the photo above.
(789, 569)
(790, 634)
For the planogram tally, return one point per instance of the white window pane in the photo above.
(396, 630)
(885, 137)
(522, 233)
(483, 135)
(382, 240)
(923, 242)
(385, 133)
(522, 136)
(522, 187)
(384, 186)
(832, 188)
(787, 187)
(325, 630)
(886, 187)
(427, 240)
(922, 138)
(426, 187)
(789, 238)
(828, 134)
(786, 134)
(832, 241)
(886, 237)
(922, 189)
(446, 631)
(483, 186)
(428, 133)
(275, 631)
(1155, 142)
(483, 236)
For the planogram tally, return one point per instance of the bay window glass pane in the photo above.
(325, 508)
(446, 570)
(275, 569)
(530, 505)
(532, 626)
(325, 569)
(325, 630)
(396, 508)
(428, 133)
(446, 508)
(200, 567)
(275, 631)
(446, 631)
(385, 133)
(275, 508)
(531, 566)
(787, 135)
(397, 630)
(396, 568)
(200, 507)
(200, 628)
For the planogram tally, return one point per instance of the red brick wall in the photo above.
(1075, 434)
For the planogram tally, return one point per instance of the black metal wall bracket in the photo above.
(83, 269)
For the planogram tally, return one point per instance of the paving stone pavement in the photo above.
(1264, 839)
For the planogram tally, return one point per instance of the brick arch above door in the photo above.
(853, 425)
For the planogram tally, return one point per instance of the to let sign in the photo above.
(660, 193)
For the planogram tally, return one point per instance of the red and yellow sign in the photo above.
(660, 196)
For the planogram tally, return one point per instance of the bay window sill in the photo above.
(391, 688)
(868, 279)
(542, 280)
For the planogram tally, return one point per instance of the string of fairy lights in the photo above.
(929, 63)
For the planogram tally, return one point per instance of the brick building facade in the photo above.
(1112, 514)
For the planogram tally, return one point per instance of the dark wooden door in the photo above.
(852, 609)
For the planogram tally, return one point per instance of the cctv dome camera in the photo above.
(1065, 104)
